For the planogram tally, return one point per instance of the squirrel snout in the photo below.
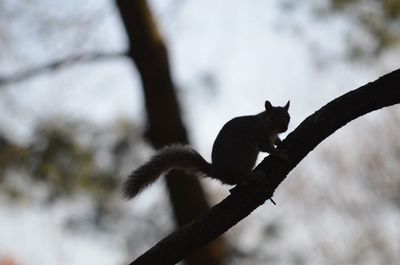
(283, 127)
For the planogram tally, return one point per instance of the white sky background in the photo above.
(227, 57)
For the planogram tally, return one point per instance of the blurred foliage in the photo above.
(68, 158)
(379, 23)
(379, 160)
(75, 168)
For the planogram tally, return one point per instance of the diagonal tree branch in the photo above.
(58, 64)
(245, 198)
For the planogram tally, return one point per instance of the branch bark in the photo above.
(246, 198)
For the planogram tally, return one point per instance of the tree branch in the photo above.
(58, 64)
(245, 198)
(165, 125)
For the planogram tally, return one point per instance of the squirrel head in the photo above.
(277, 117)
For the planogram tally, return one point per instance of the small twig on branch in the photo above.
(246, 198)
(58, 64)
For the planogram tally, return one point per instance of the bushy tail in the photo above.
(171, 157)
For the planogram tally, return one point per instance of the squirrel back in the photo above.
(175, 156)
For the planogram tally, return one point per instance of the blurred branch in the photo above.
(59, 64)
(246, 198)
(165, 126)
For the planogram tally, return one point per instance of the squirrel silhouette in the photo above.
(234, 152)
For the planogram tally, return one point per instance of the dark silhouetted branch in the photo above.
(58, 64)
(246, 198)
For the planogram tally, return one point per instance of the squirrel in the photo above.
(234, 152)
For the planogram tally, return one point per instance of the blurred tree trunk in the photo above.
(165, 125)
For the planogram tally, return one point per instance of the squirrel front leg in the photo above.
(277, 141)
(270, 148)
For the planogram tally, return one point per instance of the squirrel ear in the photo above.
(286, 107)
(268, 105)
